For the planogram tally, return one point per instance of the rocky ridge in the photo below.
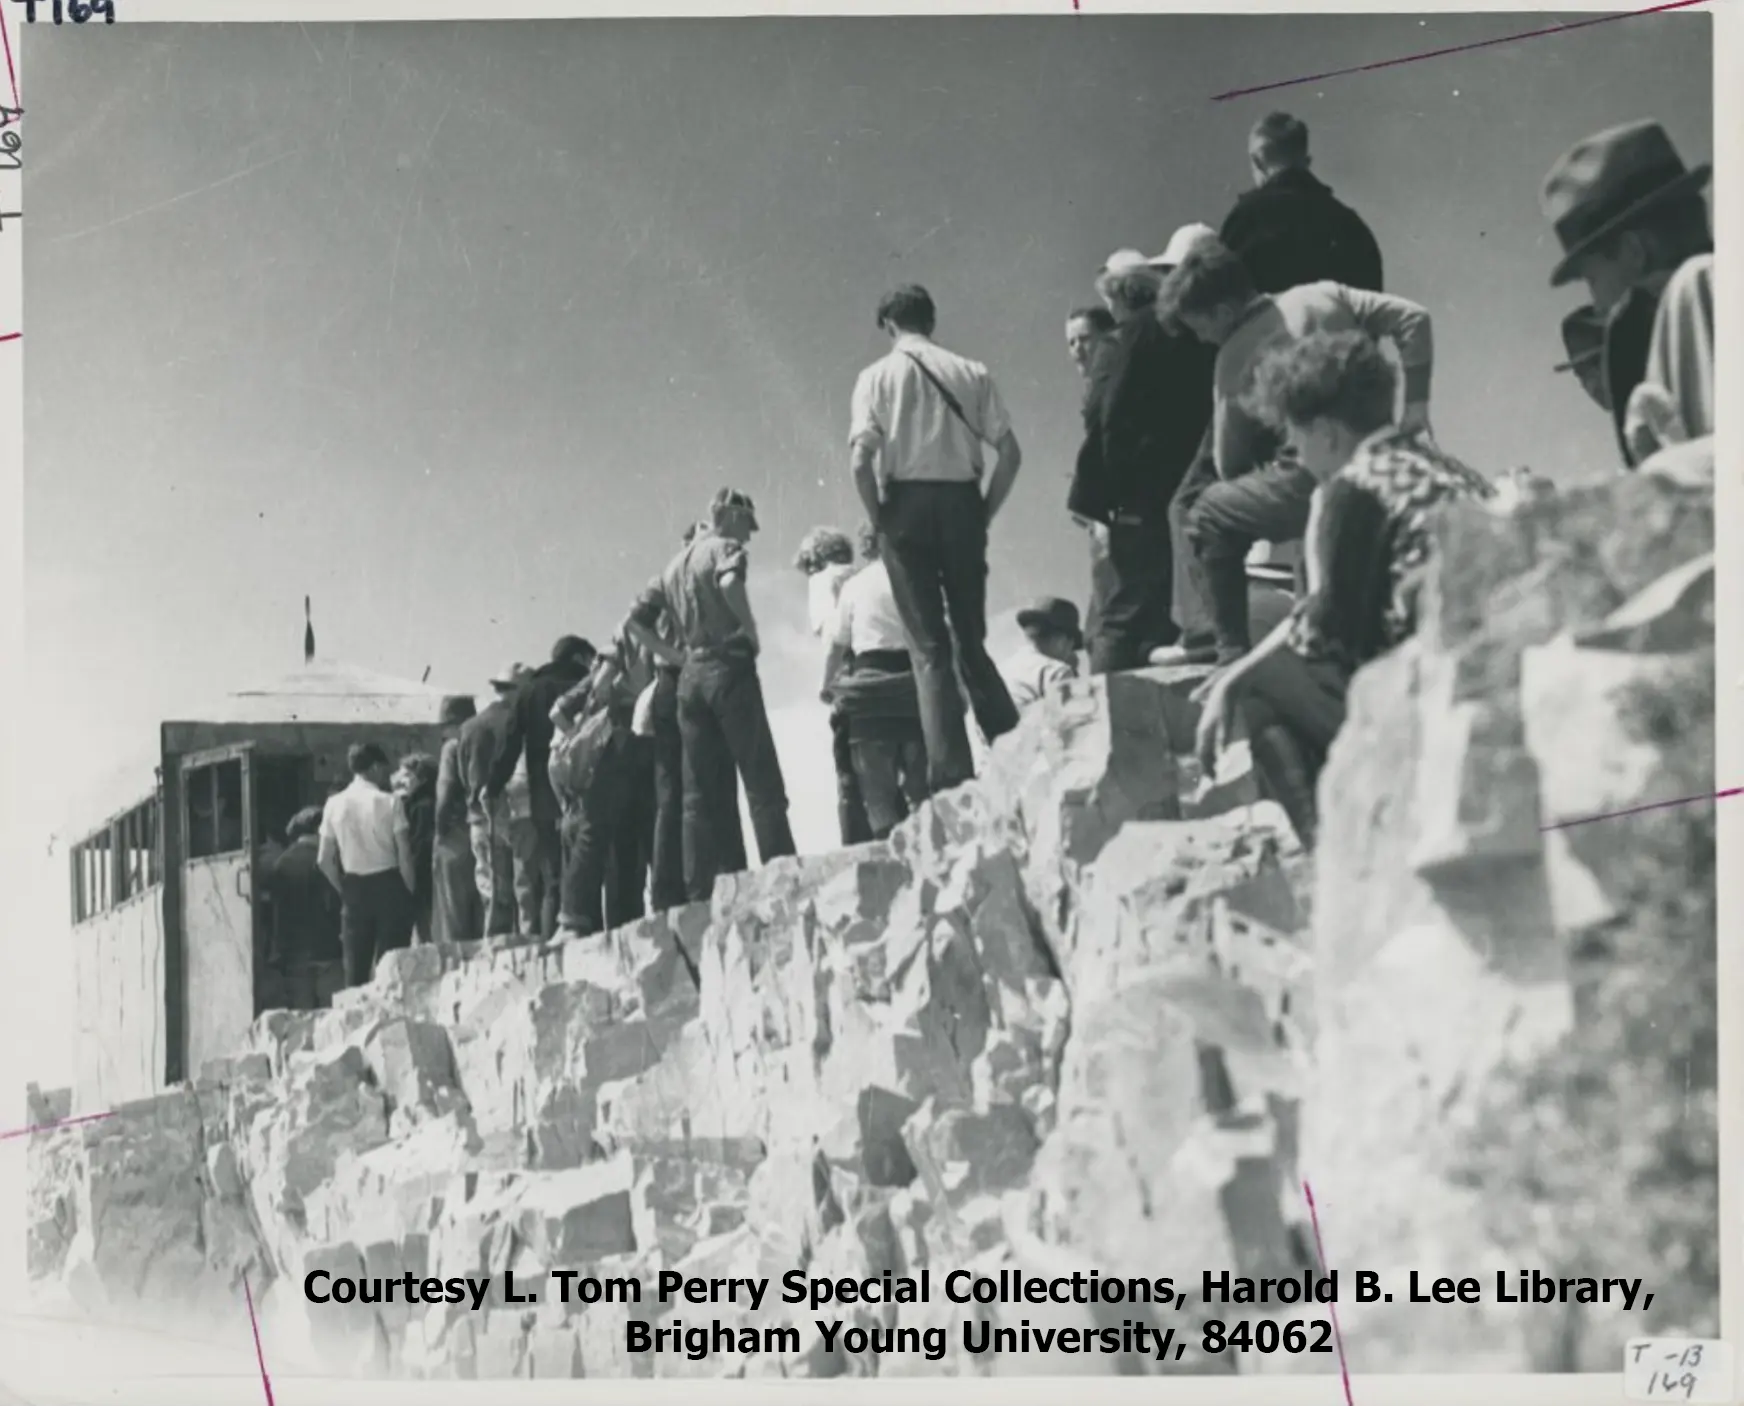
(1072, 1016)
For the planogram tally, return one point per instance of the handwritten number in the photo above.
(29, 10)
(105, 8)
(10, 160)
(77, 11)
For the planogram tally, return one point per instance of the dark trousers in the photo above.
(1134, 592)
(667, 888)
(1191, 610)
(598, 830)
(1269, 504)
(547, 863)
(851, 807)
(375, 916)
(934, 540)
(890, 761)
(633, 850)
(725, 727)
(1293, 708)
(459, 913)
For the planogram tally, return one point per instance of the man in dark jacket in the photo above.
(1147, 408)
(1289, 229)
(529, 729)
(482, 739)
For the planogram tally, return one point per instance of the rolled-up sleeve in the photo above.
(1405, 323)
(866, 423)
(995, 419)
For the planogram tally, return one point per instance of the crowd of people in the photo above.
(1237, 404)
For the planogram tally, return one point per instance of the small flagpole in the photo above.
(308, 634)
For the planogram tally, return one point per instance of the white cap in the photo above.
(1126, 261)
(1182, 243)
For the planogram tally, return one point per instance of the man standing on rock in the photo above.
(482, 738)
(366, 854)
(920, 421)
(721, 713)
(528, 737)
(1629, 215)
(1049, 656)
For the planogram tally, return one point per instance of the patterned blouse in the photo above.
(1372, 544)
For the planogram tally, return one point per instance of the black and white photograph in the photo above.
(852, 696)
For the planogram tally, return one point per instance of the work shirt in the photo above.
(1239, 441)
(866, 614)
(1370, 543)
(1029, 673)
(359, 824)
(1292, 230)
(692, 590)
(482, 739)
(917, 437)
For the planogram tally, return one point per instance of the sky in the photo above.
(453, 327)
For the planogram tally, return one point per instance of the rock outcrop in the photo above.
(1069, 1018)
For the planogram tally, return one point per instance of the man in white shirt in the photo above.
(1050, 654)
(871, 682)
(922, 418)
(366, 854)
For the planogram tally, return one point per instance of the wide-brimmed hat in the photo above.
(1583, 337)
(1607, 179)
(1181, 243)
(1052, 614)
(457, 708)
(510, 676)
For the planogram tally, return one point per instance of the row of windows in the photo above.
(123, 859)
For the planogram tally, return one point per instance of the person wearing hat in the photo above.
(922, 420)
(1144, 416)
(1583, 338)
(1628, 213)
(1049, 655)
(722, 719)
(479, 743)
(458, 914)
(305, 909)
(527, 738)
(1289, 229)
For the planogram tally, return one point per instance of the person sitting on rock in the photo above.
(1052, 640)
(1376, 484)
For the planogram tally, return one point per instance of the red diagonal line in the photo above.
(254, 1326)
(1651, 805)
(10, 336)
(1455, 49)
(1337, 1336)
(11, 71)
(64, 1122)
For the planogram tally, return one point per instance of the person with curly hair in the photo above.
(826, 556)
(1378, 484)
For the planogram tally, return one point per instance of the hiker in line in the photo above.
(1262, 494)
(1049, 655)
(1144, 416)
(1378, 484)
(1290, 229)
(920, 420)
(414, 786)
(366, 854)
(827, 559)
(1087, 328)
(721, 714)
(869, 680)
(1628, 214)
(306, 909)
(459, 913)
(1583, 339)
(482, 739)
(591, 772)
(667, 885)
(527, 738)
